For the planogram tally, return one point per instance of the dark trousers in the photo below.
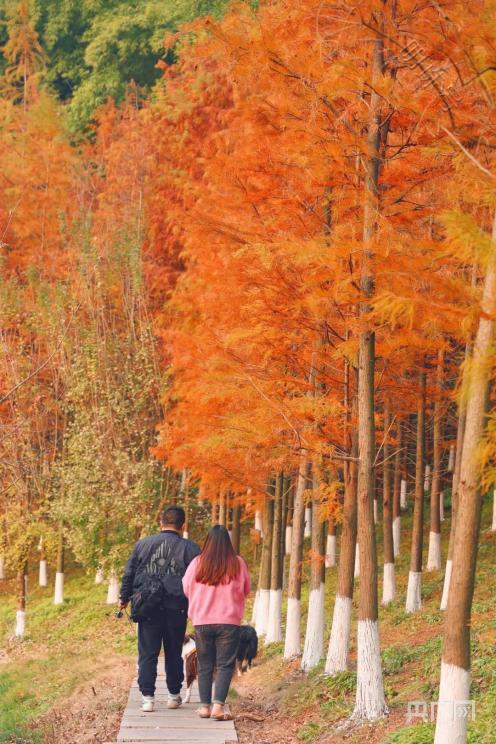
(216, 648)
(167, 629)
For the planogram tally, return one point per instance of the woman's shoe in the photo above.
(221, 715)
(204, 711)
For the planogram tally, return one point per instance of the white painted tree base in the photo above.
(258, 521)
(262, 612)
(434, 555)
(2, 568)
(339, 641)
(493, 526)
(288, 539)
(292, 640)
(414, 592)
(99, 576)
(396, 536)
(330, 557)
(113, 591)
(357, 562)
(454, 688)
(446, 585)
(20, 626)
(451, 459)
(427, 479)
(59, 589)
(388, 584)
(43, 576)
(274, 630)
(308, 522)
(313, 648)
(370, 702)
(403, 495)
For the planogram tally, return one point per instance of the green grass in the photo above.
(66, 644)
(63, 646)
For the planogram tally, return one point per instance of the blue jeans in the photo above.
(216, 648)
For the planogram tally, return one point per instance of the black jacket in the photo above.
(148, 555)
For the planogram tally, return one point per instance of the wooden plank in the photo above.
(154, 721)
(209, 737)
(177, 725)
(164, 719)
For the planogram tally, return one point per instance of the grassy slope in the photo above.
(64, 646)
(411, 659)
(75, 642)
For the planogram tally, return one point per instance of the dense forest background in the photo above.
(247, 262)
(94, 49)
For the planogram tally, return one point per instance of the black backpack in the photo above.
(150, 592)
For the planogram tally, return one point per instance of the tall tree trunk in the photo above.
(43, 577)
(222, 508)
(460, 434)
(21, 585)
(370, 701)
(258, 523)
(434, 555)
(455, 665)
(274, 633)
(389, 583)
(451, 458)
(265, 569)
(292, 641)
(330, 557)
(186, 497)
(396, 494)
(404, 478)
(308, 521)
(215, 511)
(284, 522)
(313, 648)
(337, 654)
(236, 527)
(414, 591)
(59, 575)
(288, 533)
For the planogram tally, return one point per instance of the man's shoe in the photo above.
(174, 701)
(147, 703)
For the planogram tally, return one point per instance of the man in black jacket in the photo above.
(165, 557)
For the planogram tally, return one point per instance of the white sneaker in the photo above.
(147, 703)
(174, 701)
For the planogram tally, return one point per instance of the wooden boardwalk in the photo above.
(163, 725)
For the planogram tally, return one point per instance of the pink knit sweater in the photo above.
(221, 604)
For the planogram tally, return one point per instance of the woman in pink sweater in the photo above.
(216, 584)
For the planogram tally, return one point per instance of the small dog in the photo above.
(190, 662)
(247, 648)
(247, 651)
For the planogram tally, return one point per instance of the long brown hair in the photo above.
(218, 562)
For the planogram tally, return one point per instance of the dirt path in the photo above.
(92, 713)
